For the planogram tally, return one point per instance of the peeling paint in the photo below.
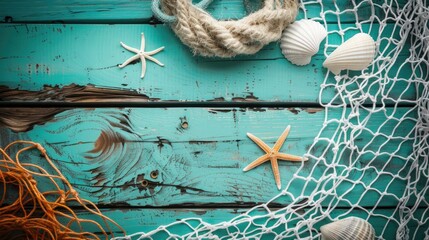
(312, 110)
(293, 110)
(23, 119)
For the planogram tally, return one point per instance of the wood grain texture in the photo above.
(73, 93)
(195, 157)
(135, 11)
(146, 220)
(138, 11)
(89, 54)
(155, 166)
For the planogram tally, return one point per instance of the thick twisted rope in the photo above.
(207, 36)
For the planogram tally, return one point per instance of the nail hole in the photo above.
(154, 174)
(184, 123)
(145, 183)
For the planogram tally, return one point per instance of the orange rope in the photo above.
(28, 213)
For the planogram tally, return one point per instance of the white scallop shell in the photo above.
(351, 228)
(354, 54)
(301, 40)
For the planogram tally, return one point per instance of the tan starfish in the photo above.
(273, 155)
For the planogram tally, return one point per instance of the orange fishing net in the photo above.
(27, 212)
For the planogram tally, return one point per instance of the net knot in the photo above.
(19, 222)
(62, 196)
(26, 175)
(74, 193)
(40, 148)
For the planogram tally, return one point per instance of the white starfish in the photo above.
(142, 55)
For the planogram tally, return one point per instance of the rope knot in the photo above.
(209, 37)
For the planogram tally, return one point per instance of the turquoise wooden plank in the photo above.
(108, 11)
(135, 11)
(146, 220)
(199, 153)
(89, 54)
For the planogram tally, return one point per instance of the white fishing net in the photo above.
(370, 158)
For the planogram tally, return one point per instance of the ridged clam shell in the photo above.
(301, 40)
(354, 54)
(351, 228)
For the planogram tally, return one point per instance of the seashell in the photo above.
(354, 54)
(351, 228)
(301, 40)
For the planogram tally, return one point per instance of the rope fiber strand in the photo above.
(209, 37)
(27, 212)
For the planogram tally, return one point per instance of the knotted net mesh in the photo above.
(370, 159)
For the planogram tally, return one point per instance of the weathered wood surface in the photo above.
(146, 220)
(197, 154)
(138, 11)
(154, 166)
(32, 56)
